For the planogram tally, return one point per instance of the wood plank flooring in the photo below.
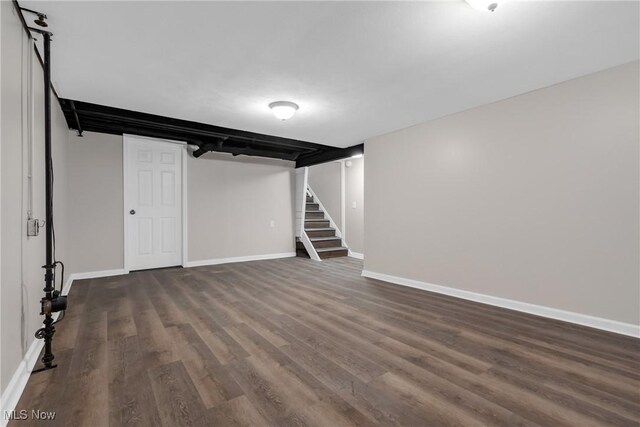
(295, 342)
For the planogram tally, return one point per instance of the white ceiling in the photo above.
(357, 69)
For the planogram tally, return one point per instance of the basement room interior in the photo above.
(320, 213)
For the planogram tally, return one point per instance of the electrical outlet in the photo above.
(33, 227)
(272, 224)
(353, 205)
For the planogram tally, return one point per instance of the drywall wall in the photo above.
(21, 258)
(11, 192)
(354, 194)
(533, 199)
(232, 202)
(94, 173)
(324, 180)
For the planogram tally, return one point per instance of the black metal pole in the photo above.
(49, 288)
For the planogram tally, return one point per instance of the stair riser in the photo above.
(314, 215)
(316, 224)
(309, 199)
(327, 243)
(333, 254)
(313, 207)
(323, 233)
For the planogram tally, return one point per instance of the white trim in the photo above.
(301, 176)
(217, 261)
(14, 389)
(357, 255)
(125, 184)
(539, 310)
(152, 139)
(302, 179)
(343, 202)
(311, 250)
(125, 188)
(185, 201)
(96, 274)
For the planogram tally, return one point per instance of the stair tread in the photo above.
(336, 248)
(310, 211)
(315, 219)
(319, 229)
(320, 239)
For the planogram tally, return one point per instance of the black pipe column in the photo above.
(49, 267)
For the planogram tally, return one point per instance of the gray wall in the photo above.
(533, 199)
(232, 202)
(324, 180)
(94, 172)
(11, 194)
(354, 192)
(21, 258)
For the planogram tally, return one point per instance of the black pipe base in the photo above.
(43, 369)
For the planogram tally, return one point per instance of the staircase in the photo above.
(321, 234)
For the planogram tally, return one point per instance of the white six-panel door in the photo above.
(153, 203)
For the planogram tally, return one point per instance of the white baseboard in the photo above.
(357, 255)
(97, 274)
(539, 310)
(14, 389)
(217, 261)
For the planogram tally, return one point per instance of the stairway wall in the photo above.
(324, 179)
(354, 217)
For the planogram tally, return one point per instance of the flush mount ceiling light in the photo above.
(283, 110)
(485, 5)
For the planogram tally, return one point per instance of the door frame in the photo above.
(126, 140)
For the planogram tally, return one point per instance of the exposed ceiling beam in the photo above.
(246, 149)
(111, 113)
(329, 155)
(84, 116)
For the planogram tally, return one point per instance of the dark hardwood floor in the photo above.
(295, 342)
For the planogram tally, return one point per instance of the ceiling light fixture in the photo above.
(485, 5)
(283, 110)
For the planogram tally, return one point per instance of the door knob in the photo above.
(132, 212)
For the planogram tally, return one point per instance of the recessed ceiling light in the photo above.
(283, 110)
(485, 5)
